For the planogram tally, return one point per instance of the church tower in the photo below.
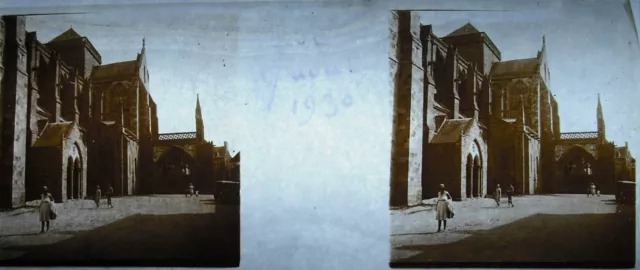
(199, 122)
(601, 129)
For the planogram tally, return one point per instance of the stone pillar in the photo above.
(57, 86)
(469, 104)
(406, 159)
(452, 82)
(14, 112)
(76, 101)
(429, 55)
(34, 92)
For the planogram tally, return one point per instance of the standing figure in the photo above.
(498, 194)
(593, 189)
(191, 188)
(510, 192)
(109, 195)
(47, 209)
(444, 210)
(98, 196)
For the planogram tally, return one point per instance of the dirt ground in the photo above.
(146, 230)
(552, 228)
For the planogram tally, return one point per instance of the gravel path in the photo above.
(166, 223)
(539, 228)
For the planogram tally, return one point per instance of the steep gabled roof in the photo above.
(67, 35)
(236, 158)
(128, 68)
(520, 67)
(464, 30)
(53, 134)
(451, 130)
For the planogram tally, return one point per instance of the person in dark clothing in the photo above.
(109, 194)
(510, 192)
(98, 196)
(498, 195)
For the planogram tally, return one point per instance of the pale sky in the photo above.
(315, 174)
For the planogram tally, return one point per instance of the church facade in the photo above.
(72, 123)
(465, 118)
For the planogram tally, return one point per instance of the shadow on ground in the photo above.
(596, 239)
(205, 240)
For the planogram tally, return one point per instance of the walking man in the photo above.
(109, 195)
(510, 192)
(498, 194)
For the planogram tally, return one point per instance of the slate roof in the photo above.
(67, 35)
(464, 30)
(177, 136)
(127, 68)
(515, 68)
(451, 130)
(53, 134)
(578, 135)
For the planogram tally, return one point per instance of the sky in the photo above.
(303, 91)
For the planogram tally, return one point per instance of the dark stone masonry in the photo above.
(465, 118)
(71, 123)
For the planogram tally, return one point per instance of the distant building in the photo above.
(467, 119)
(71, 123)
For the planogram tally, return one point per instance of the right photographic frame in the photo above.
(509, 146)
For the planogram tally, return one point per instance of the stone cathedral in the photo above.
(72, 123)
(468, 119)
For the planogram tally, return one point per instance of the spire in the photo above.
(599, 108)
(199, 122)
(544, 41)
(143, 43)
(601, 125)
(198, 113)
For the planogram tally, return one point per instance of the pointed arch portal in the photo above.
(176, 169)
(578, 169)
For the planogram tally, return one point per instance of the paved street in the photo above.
(551, 228)
(162, 229)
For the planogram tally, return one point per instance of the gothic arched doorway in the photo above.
(77, 176)
(577, 167)
(477, 172)
(69, 180)
(469, 174)
(176, 171)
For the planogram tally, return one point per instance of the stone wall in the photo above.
(473, 143)
(73, 146)
(406, 167)
(533, 169)
(130, 169)
(444, 168)
(14, 113)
